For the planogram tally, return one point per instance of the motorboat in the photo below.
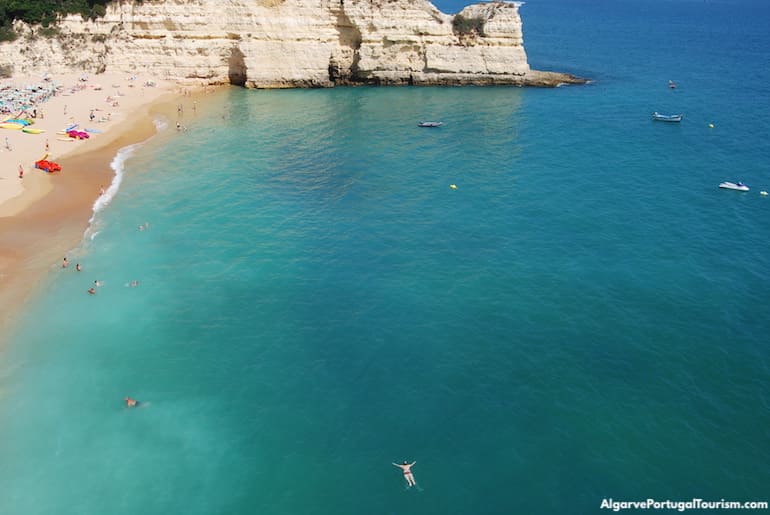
(739, 186)
(430, 124)
(667, 117)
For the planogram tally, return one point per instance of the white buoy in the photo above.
(453, 186)
(763, 193)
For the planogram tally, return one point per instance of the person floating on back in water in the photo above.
(407, 468)
(131, 403)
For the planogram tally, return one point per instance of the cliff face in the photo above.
(287, 43)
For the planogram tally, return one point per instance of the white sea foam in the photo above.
(161, 123)
(118, 164)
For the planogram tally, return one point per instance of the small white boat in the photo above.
(667, 117)
(739, 186)
(430, 124)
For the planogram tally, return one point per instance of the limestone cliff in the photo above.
(287, 43)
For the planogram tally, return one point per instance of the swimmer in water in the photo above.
(98, 283)
(78, 267)
(407, 468)
(92, 291)
(131, 403)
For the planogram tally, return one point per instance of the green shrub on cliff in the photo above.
(45, 12)
(466, 26)
(7, 33)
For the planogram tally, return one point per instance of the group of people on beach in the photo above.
(14, 98)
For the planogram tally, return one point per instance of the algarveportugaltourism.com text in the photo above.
(694, 504)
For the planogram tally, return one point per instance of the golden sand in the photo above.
(43, 216)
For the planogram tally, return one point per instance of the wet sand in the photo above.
(35, 239)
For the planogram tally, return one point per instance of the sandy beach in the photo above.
(44, 215)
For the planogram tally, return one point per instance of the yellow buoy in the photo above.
(453, 186)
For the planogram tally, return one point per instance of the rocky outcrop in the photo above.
(287, 43)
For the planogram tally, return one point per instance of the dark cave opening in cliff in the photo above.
(236, 68)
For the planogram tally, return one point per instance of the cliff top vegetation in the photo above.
(45, 12)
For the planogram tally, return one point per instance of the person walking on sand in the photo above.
(21, 171)
(64, 263)
(407, 469)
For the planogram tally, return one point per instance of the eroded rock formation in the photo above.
(288, 43)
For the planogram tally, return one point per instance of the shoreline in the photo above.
(50, 217)
(43, 217)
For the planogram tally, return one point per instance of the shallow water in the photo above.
(584, 317)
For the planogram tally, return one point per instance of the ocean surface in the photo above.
(585, 316)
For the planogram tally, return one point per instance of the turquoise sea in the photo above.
(586, 316)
